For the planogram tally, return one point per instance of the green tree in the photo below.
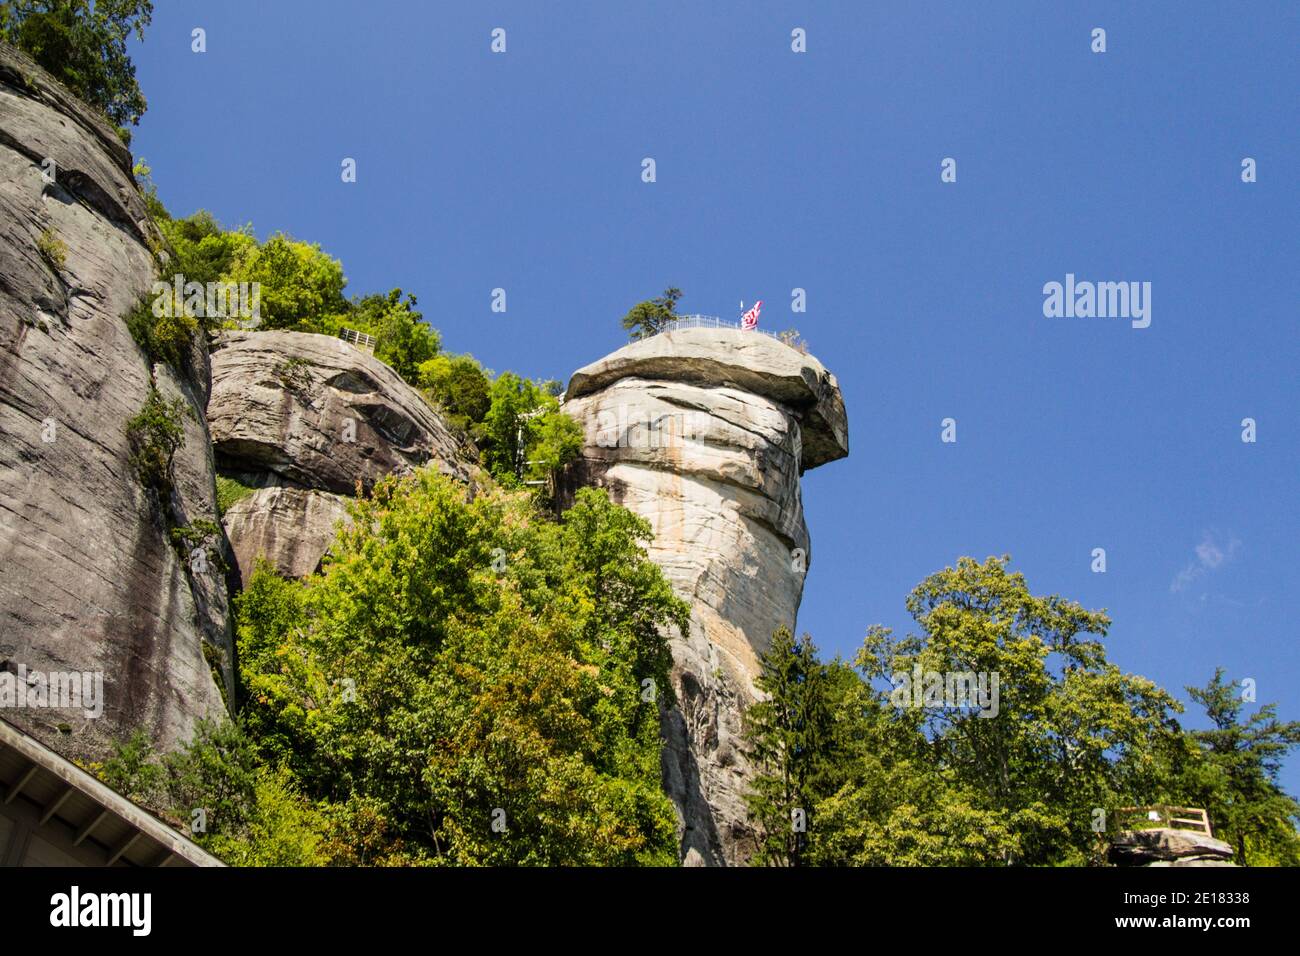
(203, 251)
(403, 340)
(652, 316)
(460, 388)
(525, 436)
(156, 433)
(485, 680)
(83, 44)
(301, 286)
(1236, 775)
(789, 736)
(556, 440)
(1012, 777)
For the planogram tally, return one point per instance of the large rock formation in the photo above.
(704, 433)
(305, 419)
(1166, 846)
(290, 527)
(90, 581)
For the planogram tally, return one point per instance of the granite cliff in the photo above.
(704, 433)
(90, 580)
(306, 420)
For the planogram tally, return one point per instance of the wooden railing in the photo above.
(1177, 818)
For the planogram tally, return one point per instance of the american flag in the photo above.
(750, 319)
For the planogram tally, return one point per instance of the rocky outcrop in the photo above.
(90, 580)
(307, 418)
(704, 433)
(290, 527)
(1165, 846)
(316, 412)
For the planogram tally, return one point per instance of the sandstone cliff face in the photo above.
(89, 580)
(306, 419)
(704, 433)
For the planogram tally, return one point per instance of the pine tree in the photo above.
(788, 734)
(1242, 759)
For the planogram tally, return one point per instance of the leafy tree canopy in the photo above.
(83, 44)
(482, 682)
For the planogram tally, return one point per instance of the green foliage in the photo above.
(199, 533)
(131, 769)
(557, 439)
(652, 316)
(1233, 773)
(301, 286)
(163, 338)
(524, 436)
(216, 787)
(52, 248)
(230, 490)
(203, 251)
(789, 735)
(471, 705)
(156, 433)
(403, 340)
(459, 387)
(907, 785)
(83, 44)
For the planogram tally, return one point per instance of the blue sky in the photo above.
(820, 170)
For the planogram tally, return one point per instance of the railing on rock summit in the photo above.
(789, 337)
(1176, 818)
(360, 339)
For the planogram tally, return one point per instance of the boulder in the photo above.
(316, 412)
(291, 527)
(1165, 846)
(90, 580)
(704, 433)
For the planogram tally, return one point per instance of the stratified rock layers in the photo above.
(305, 419)
(704, 433)
(89, 581)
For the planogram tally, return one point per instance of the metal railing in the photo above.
(360, 339)
(695, 321)
(709, 322)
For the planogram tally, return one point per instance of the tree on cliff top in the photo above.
(1235, 777)
(82, 43)
(652, 316)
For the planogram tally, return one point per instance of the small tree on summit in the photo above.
(652, 316)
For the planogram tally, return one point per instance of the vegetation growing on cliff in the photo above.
(515, 423)
(156, 433)
(653, 315)
(467, 682)
(901, 777)
(83, 44)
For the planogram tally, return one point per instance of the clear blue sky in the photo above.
(821, 171)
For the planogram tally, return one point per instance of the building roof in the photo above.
(54, 813)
